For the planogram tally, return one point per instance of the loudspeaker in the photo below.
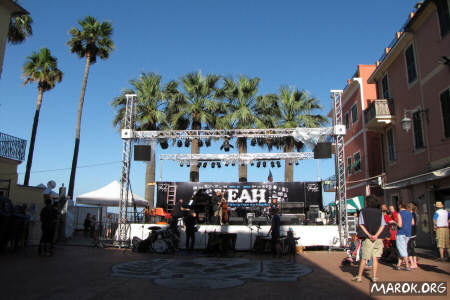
(322, 150)
(142, 153)
(236, 220)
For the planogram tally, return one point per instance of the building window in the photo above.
(410, 64)
(390, 144)
(443, 8)
(357, 161)
(347, 120)
(354, 114)
(385, 87)
(418, 132)
(349, 165)
(445, 105)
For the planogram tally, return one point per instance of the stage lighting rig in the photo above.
(233, 163)
(253, 142)
(204, 164)
(181, 163)
(213, 165)
(278, 164)
(226, 164)
(180, 143)
(188, 164)
(264, 164)
(258, 164)
(208, 142)
(200, 143)
(199, 164)
(187, 142)
(296, 162)
(272, 164)
(290, 162)
(219, 165)
(252, 163)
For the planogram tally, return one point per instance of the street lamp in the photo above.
(407, 122)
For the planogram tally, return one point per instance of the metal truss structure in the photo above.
(341, 195)
(237, 157)
(308, 136)
(128, 124)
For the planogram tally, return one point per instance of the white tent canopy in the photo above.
(109, 195)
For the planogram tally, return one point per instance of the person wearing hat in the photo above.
(441, 219)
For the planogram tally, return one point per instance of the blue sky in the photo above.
(312, 45)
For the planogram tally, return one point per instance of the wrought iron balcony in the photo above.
(379, 113)
(12, 147)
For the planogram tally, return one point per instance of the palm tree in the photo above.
(241, 104)
(296, 108)
(195, 107)
(94, 39)
(40, 67)
(150, 115)
(19, 28)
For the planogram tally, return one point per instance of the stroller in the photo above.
(353, 252)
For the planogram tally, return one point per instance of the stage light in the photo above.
(208, 142)
(296, 162)
(253, 142)
(188, 164)
(272, 164)
(181, 163)
(164, 144)
(226, 145)
(199, 164)
(204, 164)
(218, 165)
(258, 164)
(180, 143)
(278, 164)
(187, 142)
(226, 164)
(252, 163)
(290, 162)
(264, 164)
(242, 164)
(213, 165)
(200, 143)
(233, 163)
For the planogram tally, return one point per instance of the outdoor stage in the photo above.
(310, 235)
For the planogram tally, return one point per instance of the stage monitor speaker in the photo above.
(142, 152)
(261, 221)
(236, 220)
(322, 150)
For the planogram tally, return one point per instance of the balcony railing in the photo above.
(381, 110)
(12, 147)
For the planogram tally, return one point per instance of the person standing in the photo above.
(87, 225)
(371, 224)
(412, 240)
(189, 223)
(48, 223)
(275, 230)
(441, 220)
(405, 222)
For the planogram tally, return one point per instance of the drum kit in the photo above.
(160, 240)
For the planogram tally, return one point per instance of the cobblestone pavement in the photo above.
(93, 273)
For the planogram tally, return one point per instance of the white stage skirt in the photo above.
(310, 235)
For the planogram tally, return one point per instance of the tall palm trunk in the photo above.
(195, 149)
(150, 180)
(33, 136)
(288, 166)
(77, 131)
(242, 146)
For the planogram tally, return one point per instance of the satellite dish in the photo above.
(51, 184)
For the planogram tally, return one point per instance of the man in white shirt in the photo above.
(441, 220)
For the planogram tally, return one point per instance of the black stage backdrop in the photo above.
(245, 194)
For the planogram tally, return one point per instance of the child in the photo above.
(292, 245)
